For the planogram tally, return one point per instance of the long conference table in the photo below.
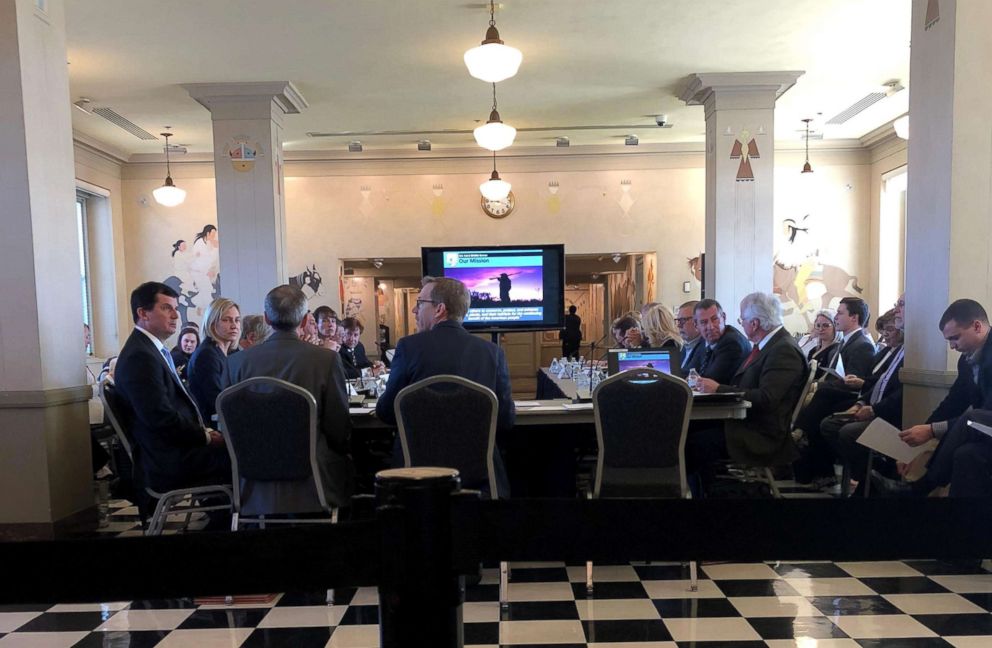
(550, 435)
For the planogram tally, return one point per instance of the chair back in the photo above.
(642, 417)
(807, 386)
(450, 421)
(270, 428)
(114, 410)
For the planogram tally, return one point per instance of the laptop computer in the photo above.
(667, 361)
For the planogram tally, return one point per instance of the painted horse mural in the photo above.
(309, 278)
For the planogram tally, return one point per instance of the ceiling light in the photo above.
(494, 135)
(83, 105)
(495, 188)
(631, 140)
(377, 263)
(806, 167)
(902, 127)
(493, 61)
(616, 257)
(355, 147)
(424, 145)
(168, 195)
(562, 142)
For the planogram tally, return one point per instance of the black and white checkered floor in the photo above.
(809, 605)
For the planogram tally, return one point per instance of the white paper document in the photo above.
(833, 372)
(984, 429)
(526, 403)
(361, 410)
(883, 437)
(577, 406)
(839, 367)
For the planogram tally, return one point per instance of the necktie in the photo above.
(168, 361)
(879, 389)
(175, 374)
(707, 356)
(750, 358)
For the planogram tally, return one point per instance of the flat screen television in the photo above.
(513, 287)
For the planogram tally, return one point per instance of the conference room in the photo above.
(625, 408)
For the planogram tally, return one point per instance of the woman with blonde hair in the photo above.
(207, 370)
(660, 328)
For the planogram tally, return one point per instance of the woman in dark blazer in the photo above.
(189, 339)
(826, 335)
(207, 370)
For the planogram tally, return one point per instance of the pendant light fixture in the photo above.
(493, 61)
(494, 135)
(806, 167)
(495, 188)
(168, 195)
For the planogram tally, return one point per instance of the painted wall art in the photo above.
(196, 273)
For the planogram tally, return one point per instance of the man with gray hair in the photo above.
(443, 346)
(254, 330)
(771, 378)
(318, 370)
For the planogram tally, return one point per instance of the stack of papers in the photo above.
(883, 437)
(526, 403)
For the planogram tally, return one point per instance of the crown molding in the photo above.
(884, 134)
(100, 149)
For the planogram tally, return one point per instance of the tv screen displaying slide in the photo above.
(511, 287)
(663, 360)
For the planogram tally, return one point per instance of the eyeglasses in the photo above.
(420, 302)
(682, 320)
(822, 325)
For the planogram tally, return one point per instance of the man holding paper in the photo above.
(965, 326)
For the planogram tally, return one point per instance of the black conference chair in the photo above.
(642, 417)
(181, 501)
(270, 428)
(450, 422)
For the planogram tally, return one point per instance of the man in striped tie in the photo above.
(771, 378)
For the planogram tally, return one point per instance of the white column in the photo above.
(949, 202)
(740, 156)
(45, 471)
(248, 163)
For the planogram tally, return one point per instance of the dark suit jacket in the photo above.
(726, 356)
(320, 372)
(889, 406)
(965, 393)
(858, 355)
(823, 358)
(448, 349)
(160, 417)
(772, 384)
(692, 357)
(207, 375)
(354, 360)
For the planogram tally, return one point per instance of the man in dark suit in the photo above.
(172, 446)
(857, 351)
(685, 319)
(571, 335)
(443, 346)
(353, 351)
(965, 326)
(724, 346)
(880, 397)
(771, 377)
(318, 370)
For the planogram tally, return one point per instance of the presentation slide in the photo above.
(657, 360)
(506, 285)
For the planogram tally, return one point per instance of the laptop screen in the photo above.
(663, 360)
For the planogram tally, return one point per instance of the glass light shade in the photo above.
(495, 189)
(169, 195)
(495, 136)
(902, 127)
(493, 62)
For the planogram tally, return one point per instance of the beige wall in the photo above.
(366, 208)
(887, 156)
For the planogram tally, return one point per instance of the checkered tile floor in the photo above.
(904, 604)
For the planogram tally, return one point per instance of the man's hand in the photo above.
(378, 367)
(706, 385)
(917, 435)
(902, 468)
(865, 413)
(633, 338)
(852, 381)
(216, 438)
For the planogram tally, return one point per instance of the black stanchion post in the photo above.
(420, 597)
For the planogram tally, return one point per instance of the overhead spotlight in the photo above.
(616, 257)
(377, 263)
(355, 147)
(562, 142)
(631, 140)
(424, 145)
(168, 195)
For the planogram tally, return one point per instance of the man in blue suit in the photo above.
(443, 346)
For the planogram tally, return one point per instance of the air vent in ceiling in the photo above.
(886, 90)
(120, 121)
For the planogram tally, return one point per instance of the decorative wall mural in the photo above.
(196, 273)
(242, 153)
(744, 149)
(437, 202)
(933, 14)
(696, 267)
(554, 200)
(804, 280)
(308, 281)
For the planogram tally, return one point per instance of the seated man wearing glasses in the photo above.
(443, 346)
(724, 346)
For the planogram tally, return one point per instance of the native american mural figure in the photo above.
(744, 149)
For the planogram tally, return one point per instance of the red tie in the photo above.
(750, 358)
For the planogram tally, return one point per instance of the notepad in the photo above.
(361, 410)
(526, 403)
(577, 406)
(883, 437)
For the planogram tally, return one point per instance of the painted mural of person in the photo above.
(204, 267)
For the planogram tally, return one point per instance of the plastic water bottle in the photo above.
(692, 378)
